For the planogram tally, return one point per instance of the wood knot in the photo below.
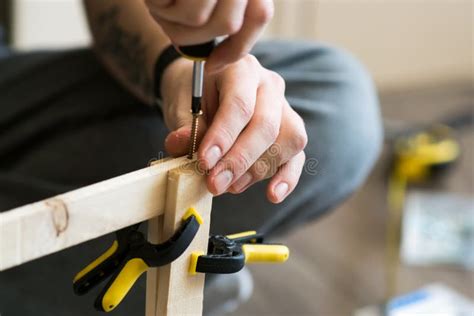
(59, 213)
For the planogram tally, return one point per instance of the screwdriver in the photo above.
(198, 54)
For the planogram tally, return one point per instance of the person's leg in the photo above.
(75, 126)
(65, 124)
(4, 49)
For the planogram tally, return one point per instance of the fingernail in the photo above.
(222, 180)
(243, 182)
(280, 190)
(212, 156)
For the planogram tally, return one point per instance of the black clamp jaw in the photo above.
(129, 256)
(229, 254)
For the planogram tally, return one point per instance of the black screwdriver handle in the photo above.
(198, 52)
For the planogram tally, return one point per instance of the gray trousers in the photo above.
(65, 123)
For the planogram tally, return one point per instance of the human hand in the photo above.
(189, 22)
(248, 131)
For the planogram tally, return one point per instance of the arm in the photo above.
(249, 131)
(128, 41)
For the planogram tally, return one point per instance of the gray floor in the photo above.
(337, 263)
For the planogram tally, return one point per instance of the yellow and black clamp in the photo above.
(229, 254)
(129, 256)
(420, 156)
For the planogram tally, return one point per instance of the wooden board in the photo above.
(155, 228)
(178, 292)
(48, 226)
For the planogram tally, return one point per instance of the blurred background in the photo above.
(420, 53)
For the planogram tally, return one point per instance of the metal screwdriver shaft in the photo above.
(198, 54)
(198, 76)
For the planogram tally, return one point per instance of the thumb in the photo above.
(178, 142)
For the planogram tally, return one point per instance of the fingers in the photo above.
(259, 134)
(227, 18)
(286, 179)
(186, 12)
(257, 14)
(236, 107)
(178, 142)
(290, 142)
(189, 22)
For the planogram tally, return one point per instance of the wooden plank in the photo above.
(179, 293)
(155, 228)
(48, 226)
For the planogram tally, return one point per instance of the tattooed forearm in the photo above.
(126, 49)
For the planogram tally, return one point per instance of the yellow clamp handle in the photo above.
(130, 273)
(123, 283)
(97, 261)
(262, 253)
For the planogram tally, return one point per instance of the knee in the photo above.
(356, 115)
(343, 122)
